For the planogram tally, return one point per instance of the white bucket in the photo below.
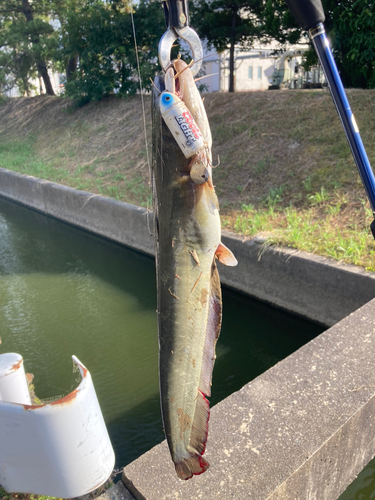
(60, 449)
(13, 383)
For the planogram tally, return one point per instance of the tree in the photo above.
(100, 36)
(63, 11)
(224, 24)
(350, 27)
(353, 41)
(86, 38)
(15, 68)
(278, 23)
(27, 40)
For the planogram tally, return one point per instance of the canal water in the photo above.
(65, 291)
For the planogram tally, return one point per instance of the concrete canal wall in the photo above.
(302, 430)
(305, 284)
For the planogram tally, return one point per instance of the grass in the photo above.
(27, 496)
(286, 172)
(20, 156)
(23, 496)
(329, 228)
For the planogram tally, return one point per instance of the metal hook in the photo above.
(191, 37)
(177, 21)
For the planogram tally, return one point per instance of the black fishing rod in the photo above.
(310, 15)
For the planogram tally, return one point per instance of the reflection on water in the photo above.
(363, 488)
(64, 291)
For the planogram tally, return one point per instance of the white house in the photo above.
(38, 86)
(258, 69)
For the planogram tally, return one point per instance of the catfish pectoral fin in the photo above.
(225, 256)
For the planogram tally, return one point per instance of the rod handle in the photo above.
(372, 226)
(308, 13)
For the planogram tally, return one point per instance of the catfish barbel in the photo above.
(188, 240)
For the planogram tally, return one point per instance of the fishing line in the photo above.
(143, 111)
(141, 89)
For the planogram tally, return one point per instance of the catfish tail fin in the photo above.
(194, 463)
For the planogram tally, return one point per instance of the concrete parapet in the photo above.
(116, 220)
(116, 492)
(305, 284)
(303, 430)
(310, 285)
(22, 188)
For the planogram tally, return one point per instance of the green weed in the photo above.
(274, 196)
(20, 156)
(318, 198)
(260, 166)
(23, 496)
(307, 183)
(312, 231)
(333, 209)
(119, 177)
(251, 131)
(367, 209)
(247, 208)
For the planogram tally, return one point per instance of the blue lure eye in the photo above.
(167, 98)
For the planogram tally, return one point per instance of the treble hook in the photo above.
(177, 21)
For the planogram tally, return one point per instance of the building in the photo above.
(260, 68)
(38, 86)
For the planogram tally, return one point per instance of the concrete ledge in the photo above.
(116, 492)
(316, 287)
(118, 221)
(303, 430)
(305, 284)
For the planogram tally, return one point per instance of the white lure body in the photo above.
(181, 124)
